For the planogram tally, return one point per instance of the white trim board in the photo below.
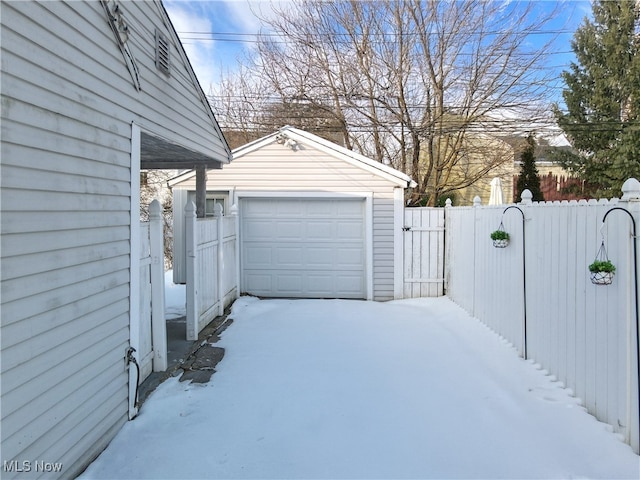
(398, 243)
(134, 264)
(298, 194)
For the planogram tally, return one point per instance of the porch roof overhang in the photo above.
(157, 154)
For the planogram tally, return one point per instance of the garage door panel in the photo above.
(324, 209)
(287, 230)
(319, 258)
(259, 209)
(287, 209)
(320, 230)
(258, 230)
(350, 231)
(289, 257)
(258, 282)
(349, 257)
(348, 209)
(320, 285)
(258, 257)
(304, 284)
(310, 248)
(289, 283)
(352, 285)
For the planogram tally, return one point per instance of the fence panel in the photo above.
(229, 280)
(207, 245)
(423, 252)
(211, 271)
(145, 347)
(583, 334)
(152, 336)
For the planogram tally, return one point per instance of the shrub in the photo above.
(602, 266)
(499, 235)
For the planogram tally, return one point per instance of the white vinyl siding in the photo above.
(81, 76)
(68, 103)
(275, 168)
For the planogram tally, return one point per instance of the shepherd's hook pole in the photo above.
(524, 279)
(635, 271)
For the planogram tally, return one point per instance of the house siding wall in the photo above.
(68, 103)
(276, 168)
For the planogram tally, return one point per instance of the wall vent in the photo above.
(162, 53)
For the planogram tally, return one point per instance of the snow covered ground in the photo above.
(174, 298)
(353, 389)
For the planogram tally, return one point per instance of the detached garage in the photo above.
(316, 220)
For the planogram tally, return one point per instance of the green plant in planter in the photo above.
(499, 235)
(602, 266)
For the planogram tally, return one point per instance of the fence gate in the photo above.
(152, 338)
(423, 252)
(145, 346)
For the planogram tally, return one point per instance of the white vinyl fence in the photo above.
(211, 265)
(423, 236)
(152, 337)
(583, 334)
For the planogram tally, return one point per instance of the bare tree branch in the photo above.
(415, 83)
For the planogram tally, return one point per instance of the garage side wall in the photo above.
(276, 168)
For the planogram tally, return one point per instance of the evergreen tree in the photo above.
(528, 178)
(602, 97)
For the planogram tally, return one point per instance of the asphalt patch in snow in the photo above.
(201, 365)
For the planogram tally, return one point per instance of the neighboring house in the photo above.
(92, 91)
(316, 220)
(504, 154)
(483, 150)
(470, 159)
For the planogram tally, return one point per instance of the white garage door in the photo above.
(305, 248)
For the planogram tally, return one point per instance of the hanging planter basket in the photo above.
(602, 278)
(602, 270)
(499, 237)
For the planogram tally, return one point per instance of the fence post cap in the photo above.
(190, 207)
(233, 210)
(526, 197)
(477, 201)
(218, 210)
(631, 190)
(447, 202)
(155, 209)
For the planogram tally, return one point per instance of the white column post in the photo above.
(369, 245)
(445, 258)
(631, 202)
(191, 246)
(158, 325)
(134, 270)
(477, 202)
(398, 243)
(234, 210)
(219, 214)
